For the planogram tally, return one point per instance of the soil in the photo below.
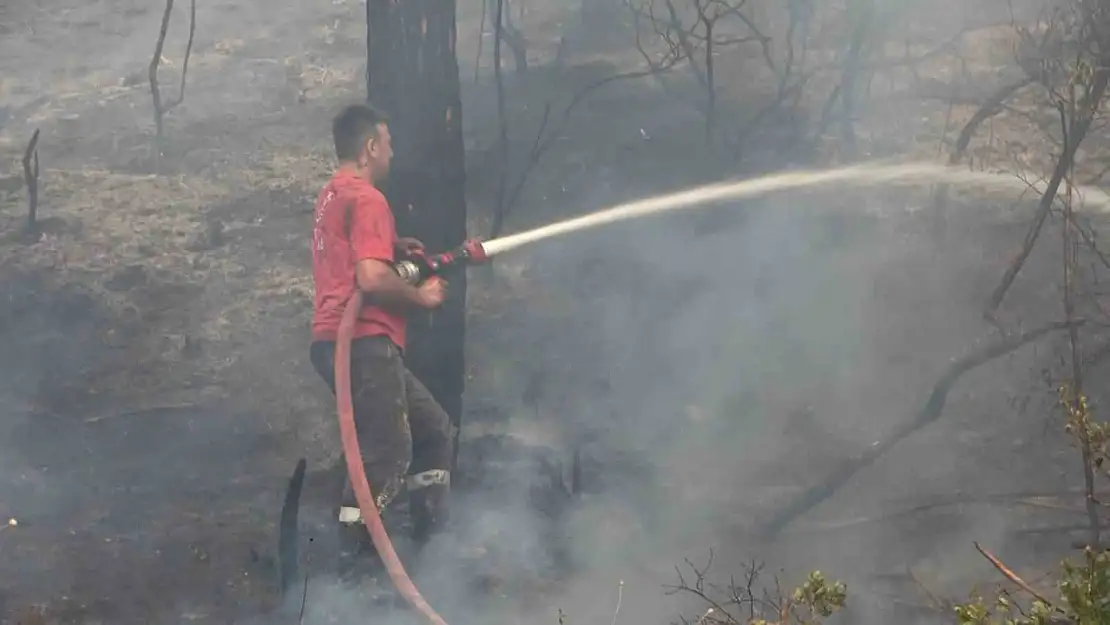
(157, 393)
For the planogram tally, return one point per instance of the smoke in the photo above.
(711, 368)
(706, 370)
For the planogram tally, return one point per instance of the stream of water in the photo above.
(864, 175)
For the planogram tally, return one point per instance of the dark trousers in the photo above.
(403, 433)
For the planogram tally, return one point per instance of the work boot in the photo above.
(361, 570)
(356, 549)
(429, 511)
(360, 567)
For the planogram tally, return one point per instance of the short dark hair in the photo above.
(352, 127)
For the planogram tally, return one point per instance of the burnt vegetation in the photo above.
(185, 290)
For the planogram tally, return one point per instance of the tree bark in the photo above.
(413, 75)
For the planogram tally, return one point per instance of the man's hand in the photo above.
(432, 292)
(408, 245)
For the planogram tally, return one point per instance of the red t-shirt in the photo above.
(335, 250)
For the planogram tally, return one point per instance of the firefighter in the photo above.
(403, 433)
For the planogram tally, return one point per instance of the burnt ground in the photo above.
(156, 392)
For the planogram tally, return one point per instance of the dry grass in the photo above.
(113, 219)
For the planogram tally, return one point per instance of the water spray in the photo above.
(864, 175)
(419, 268)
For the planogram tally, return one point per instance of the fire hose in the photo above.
(414, 271)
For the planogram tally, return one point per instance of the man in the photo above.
(403, 433)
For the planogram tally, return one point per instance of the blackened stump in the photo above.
(413, 75)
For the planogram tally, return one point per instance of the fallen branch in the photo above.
(939, 604)
(1010, 575)
(160, 108)
(1045, 500)
(1059, 529)
(31, 179)
(304, 600)
(929, 413)
(135, 412)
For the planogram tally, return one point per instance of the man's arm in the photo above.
(372, 242)
(383, 286)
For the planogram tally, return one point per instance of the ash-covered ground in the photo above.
(705, 369)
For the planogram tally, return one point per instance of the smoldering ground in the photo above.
(706, 369)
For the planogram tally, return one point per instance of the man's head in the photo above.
(361, 135)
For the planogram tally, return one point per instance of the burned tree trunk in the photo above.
(413, 75)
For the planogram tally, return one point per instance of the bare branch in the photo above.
(1078, 131)
(1010, 575)
(160, 107)
(502, 121)
(31, 179)
(545, 138)
(481, 36)
(990, 107)
(928, 413)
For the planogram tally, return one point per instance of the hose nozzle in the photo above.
(473, 252)
(420, 267)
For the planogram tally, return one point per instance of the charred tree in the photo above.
(413, 75)
(161, 108)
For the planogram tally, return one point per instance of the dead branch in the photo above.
(162, 108)
(773, 604)
(785, 89)
(951, 106)
(928, 413)
(1088, 238)
(304, 600)
(1010, 575)
(545, 137)
(1059, 529)
(861, 38)
(506, 32)
(481, 36)
(502, 121)
(734, 596)
(1076, 135)
(1076, 406)
(1031, 499)
(31, 179)
(1067, 55)
(989, 108)
(938, 603)
(872, 66)
(699, 42)
(155, 93)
